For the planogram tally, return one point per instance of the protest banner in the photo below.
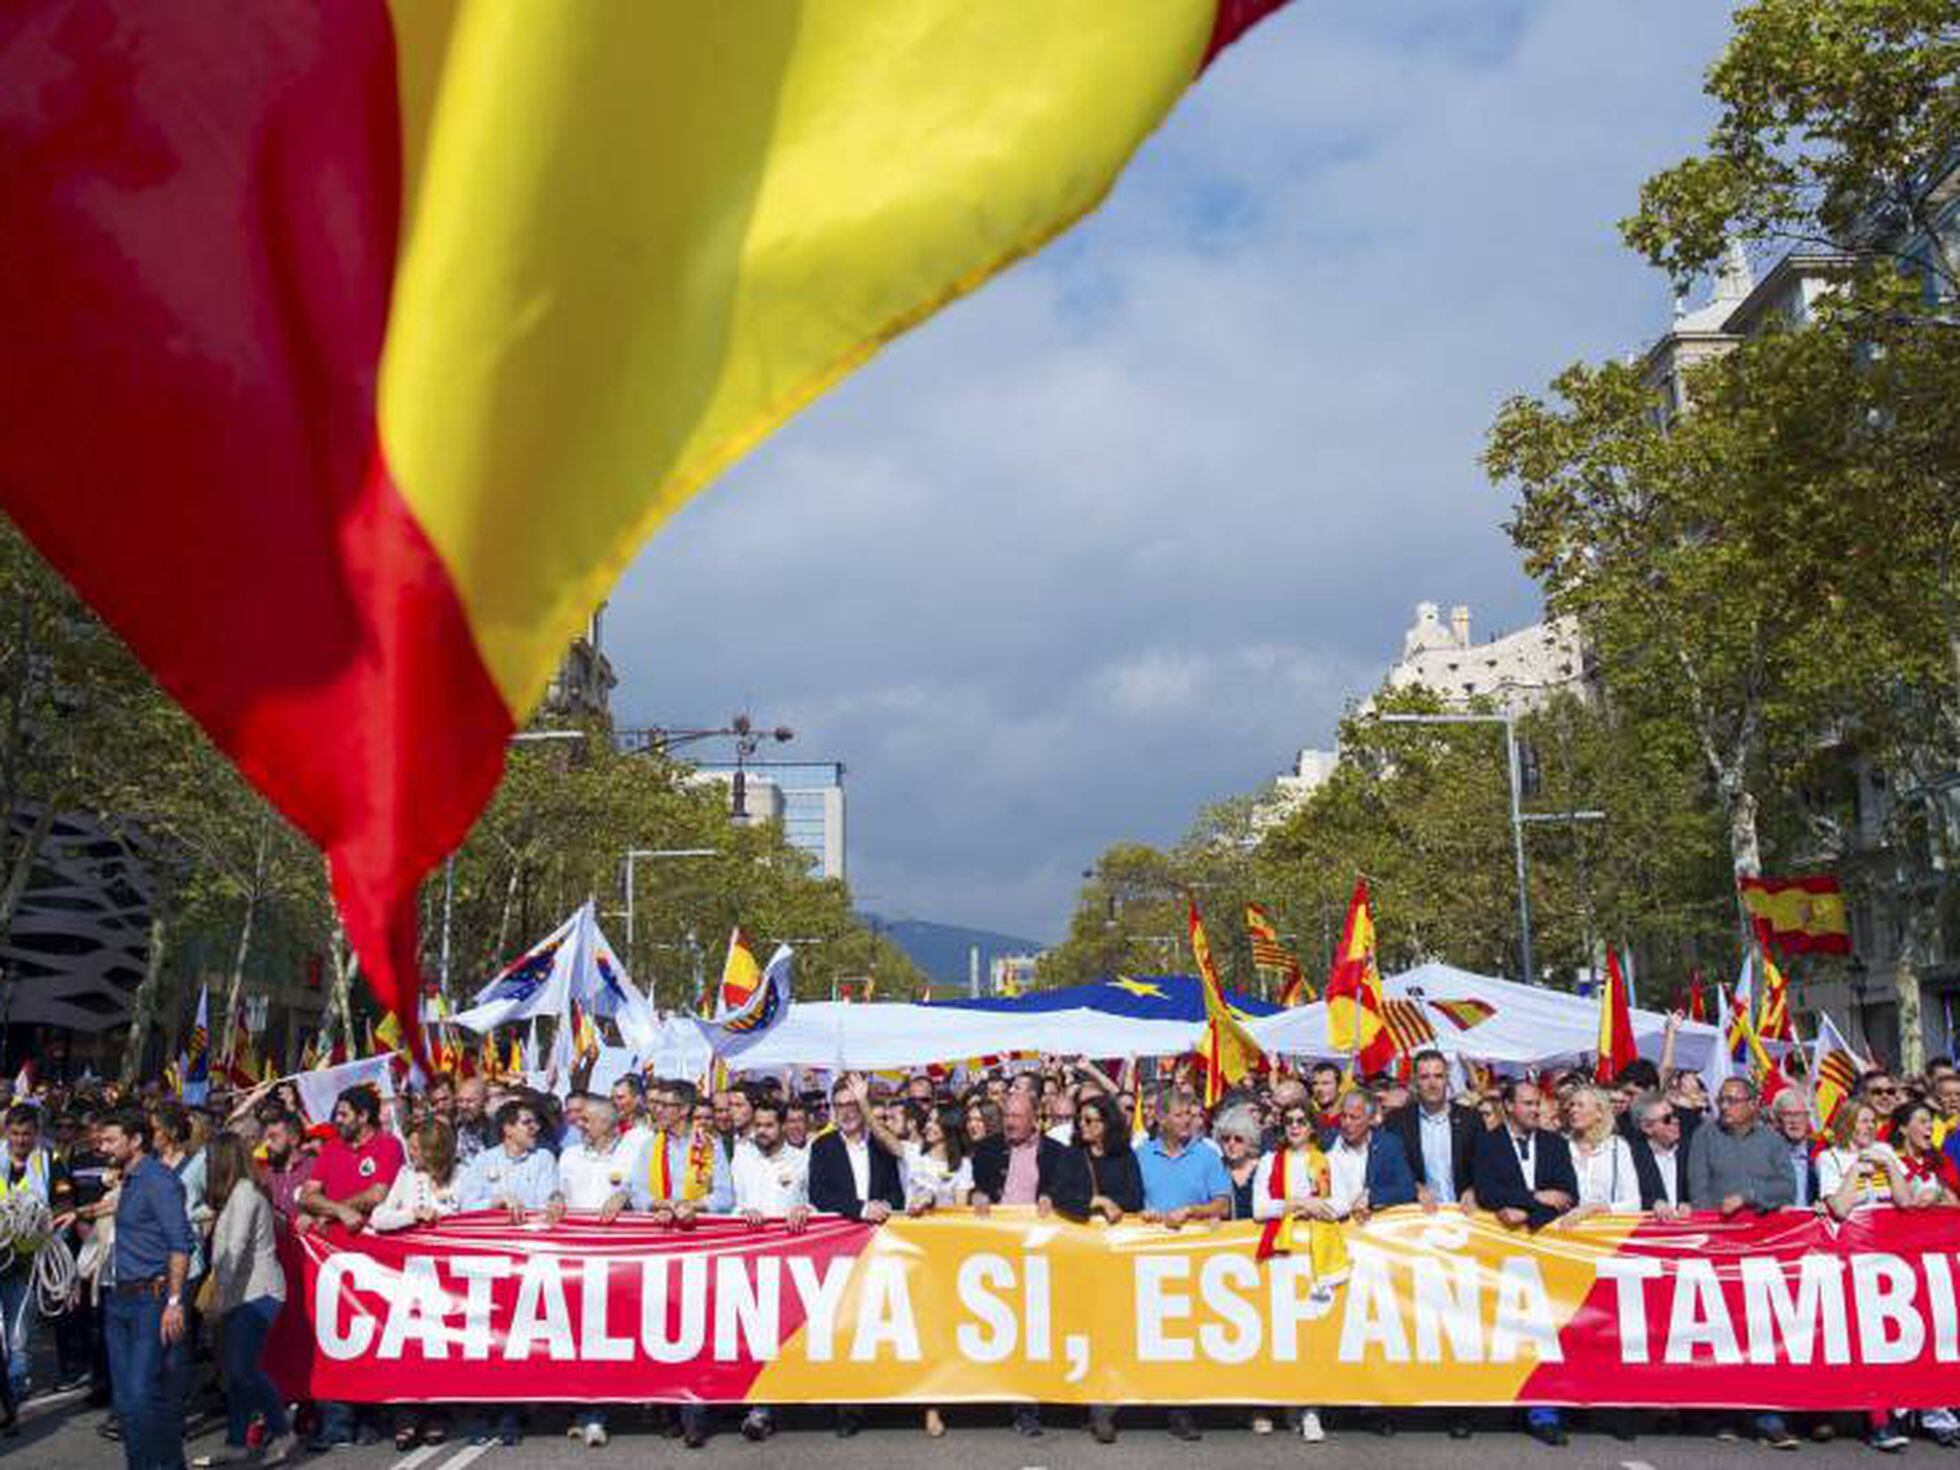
(1786, 1310)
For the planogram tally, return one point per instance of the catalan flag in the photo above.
(1226, 1048)
(1835, 1069)
(1773, 1013)
(1273, 958)
(1408, 1025)
(1355, 1020)
(1799, 915)
(354, 350)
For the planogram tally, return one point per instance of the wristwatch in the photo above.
(175, 1299)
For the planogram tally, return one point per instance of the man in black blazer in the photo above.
(1425, 1124)
(1524, 1174)
(1521, 1172)
(1660, 1156)
(851, 1173)
(1039, 1157)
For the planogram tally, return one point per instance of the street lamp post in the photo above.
(1518, 815)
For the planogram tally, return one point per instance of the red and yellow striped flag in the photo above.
(1408, 1025)
(1616, 1047)
(1464, 1014)
(1274, 958)
(1773, 1013)
(353, 351)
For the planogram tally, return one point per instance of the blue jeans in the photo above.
(17, 1310)
(248, 1390)
(147, 1378)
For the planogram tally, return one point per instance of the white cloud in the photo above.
(1115, 536)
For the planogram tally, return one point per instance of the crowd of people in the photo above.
(174, 1213)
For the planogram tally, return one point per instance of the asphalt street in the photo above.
(63, 1433)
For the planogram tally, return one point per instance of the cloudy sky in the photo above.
(1117, 535)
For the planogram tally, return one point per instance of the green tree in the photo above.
(1836, 125)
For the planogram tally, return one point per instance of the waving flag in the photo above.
(1799, 915)
(732, 1034)
(1835, 1069)
(1356, 1018)
(354, 350)
(1773, 1014)
(1227, 1048)
(740, 975)
(1464, 1014)
(1617, 1048)
(196, 1069)
(1274, 958)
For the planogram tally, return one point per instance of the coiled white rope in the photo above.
(26, 1222)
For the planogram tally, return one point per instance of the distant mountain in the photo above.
(941, 949)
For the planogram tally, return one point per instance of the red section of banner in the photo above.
(195, 273)
(1788, 1310)
(556, 1314)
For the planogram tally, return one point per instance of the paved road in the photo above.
(64, 1435)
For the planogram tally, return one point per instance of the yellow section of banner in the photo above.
(1434, 1309)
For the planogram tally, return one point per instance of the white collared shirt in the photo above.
(1670, 1175)
(1347, 1174)
(772, 1184)
(858, 1151)
(588, 1177)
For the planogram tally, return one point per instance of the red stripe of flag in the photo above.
(201, 235)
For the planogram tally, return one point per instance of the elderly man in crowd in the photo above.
(1738, 1165)
(1184, 1179)
(1659, 1158)
(596, 1174)
(1367, 1169)
(1790, 1114)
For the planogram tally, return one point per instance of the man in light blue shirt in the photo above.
(517, 1175)
(663, 1192)
(1183, 1176)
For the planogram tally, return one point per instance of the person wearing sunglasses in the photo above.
(1658, 1157)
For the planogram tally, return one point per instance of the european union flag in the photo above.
(1138, 997)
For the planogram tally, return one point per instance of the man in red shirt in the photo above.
(354, 1169)
(349, 1179)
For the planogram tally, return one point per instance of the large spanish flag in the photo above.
(1356, 1014)
(353, 349)
(1799, 915)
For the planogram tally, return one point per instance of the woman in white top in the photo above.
(1601, 1159)
(1856, 1170)
(422, 1194)
(425, 1191)
(937, 1171)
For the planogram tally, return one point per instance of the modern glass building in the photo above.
(807, 797)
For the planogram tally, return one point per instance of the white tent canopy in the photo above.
(1528, 1026)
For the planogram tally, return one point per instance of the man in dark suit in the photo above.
(1437, 1135)
(851, 1173)
(1521, 1172)
(1660, 1157)
(1020, 1164)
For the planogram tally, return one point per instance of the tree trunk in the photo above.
(143, 1008)
(244, 949)
(19, 873)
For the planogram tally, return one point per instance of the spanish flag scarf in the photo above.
(698, 1175)
(1322, 1241)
